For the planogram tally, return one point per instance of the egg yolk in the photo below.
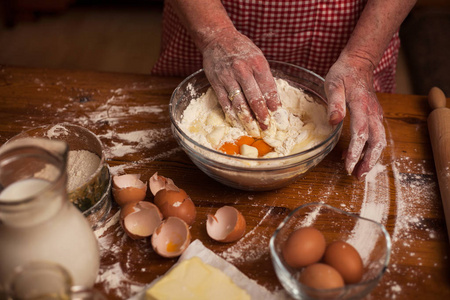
(229, 148)
(233, 148)
(172, 247)
(263, 147)
(245, 140)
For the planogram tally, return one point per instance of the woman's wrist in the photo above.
(204, 20)
(360, 59)
(204, 37)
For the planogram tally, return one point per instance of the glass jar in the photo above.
(37, 221)
(38, 280)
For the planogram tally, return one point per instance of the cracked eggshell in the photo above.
(158, 182)
(226, 225)
(128, 189)
(139, 220)
(176, 203)
(171, 237)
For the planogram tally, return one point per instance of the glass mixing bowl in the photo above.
(252, 174)
(368, 237)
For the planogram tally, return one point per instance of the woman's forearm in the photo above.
(203, 19)
(379, 21)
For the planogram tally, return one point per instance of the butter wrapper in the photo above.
(196, 248)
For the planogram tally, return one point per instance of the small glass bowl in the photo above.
(368, 237)
(252, 174)
(92, 198)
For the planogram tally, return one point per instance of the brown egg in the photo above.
(171, 237)
(346, 260)
(226, 225)
(176, 203)
(321, 276)
(303, 247)
(128, 189)
(139, 220)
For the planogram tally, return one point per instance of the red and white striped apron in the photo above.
(310, 34)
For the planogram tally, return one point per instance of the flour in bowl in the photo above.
(204, 121)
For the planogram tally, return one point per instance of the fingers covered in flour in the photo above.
(233, 63)
(335, 93)
(269, 91)
(244, 72)
(225, 103)
(373, 153)
(368, 137)
(350, 82)
(235, 107)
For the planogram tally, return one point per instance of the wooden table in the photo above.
(130, 115)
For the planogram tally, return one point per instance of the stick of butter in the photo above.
(193, 279)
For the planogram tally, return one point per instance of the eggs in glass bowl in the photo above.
(321, 252)
(275, 168)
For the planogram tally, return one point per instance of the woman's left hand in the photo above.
(350, 82)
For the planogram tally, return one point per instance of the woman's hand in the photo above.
(349, 82)
(241, 77)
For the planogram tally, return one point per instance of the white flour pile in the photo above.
(81, 164)
(204, 121)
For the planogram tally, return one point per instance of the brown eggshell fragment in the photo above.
(171, 237)
(158, 183)
(128, 189)
(346, 260)
(226, 225)
(139, 220)
(303, 247)
(176, 203)
(321, 276)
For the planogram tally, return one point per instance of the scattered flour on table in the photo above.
(107, 119)
(111, 275)
(244, 250)
(414, 183)
(126, 143)
(308, 221)
(121, 169)
(99, 232)
(375, 207)
(57, 131)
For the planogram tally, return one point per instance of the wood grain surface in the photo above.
(130, 115)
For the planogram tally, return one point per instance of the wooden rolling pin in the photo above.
(439, 129)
